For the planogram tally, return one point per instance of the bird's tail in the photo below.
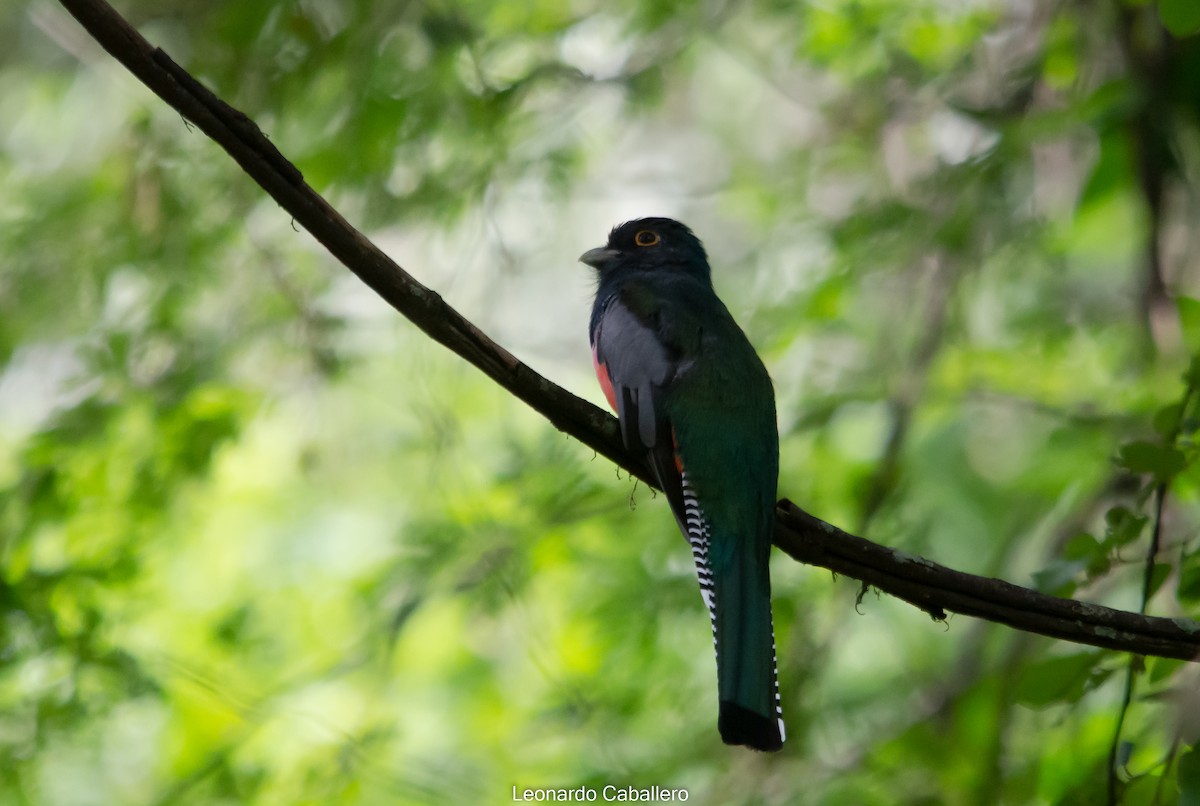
(736, 587)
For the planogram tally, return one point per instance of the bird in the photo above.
(694, 399)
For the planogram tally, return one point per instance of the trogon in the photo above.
(693, 397)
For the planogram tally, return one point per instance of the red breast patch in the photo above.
(605, 381)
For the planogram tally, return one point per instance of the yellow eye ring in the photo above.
(646, 237)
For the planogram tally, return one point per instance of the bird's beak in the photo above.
(599, 257)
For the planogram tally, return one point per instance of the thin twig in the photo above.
(1135, 662)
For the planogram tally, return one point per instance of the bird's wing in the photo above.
(633, 365)
(635, 361)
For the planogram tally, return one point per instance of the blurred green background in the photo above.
(262, 542)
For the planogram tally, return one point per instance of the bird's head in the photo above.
(649, 244)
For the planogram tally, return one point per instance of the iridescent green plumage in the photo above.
(693, 395)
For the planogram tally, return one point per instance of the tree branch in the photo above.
(925, 584)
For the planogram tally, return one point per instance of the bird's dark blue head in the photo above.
(649, 245)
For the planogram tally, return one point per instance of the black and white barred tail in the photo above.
(740, 722)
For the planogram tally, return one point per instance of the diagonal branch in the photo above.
(925, 584)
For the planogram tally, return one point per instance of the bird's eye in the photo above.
(646, 238)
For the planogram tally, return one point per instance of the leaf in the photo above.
(1143, 788)
(1110, 173)
(1059, 578)
(1158, 576)
(1189, 778)
(1189, 578)
(1162, 668)
(1089, 789)
(1148, 457)
(1123, 526)
(1087, 550)
(1082, 547)
(1166, 420)
(1059, 680)
(1180, 17)
(1189, 318)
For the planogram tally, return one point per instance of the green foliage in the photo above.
(1180, 17)
(1189, 778)
(1060, 680)
(1162, 461)
(261, 542)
